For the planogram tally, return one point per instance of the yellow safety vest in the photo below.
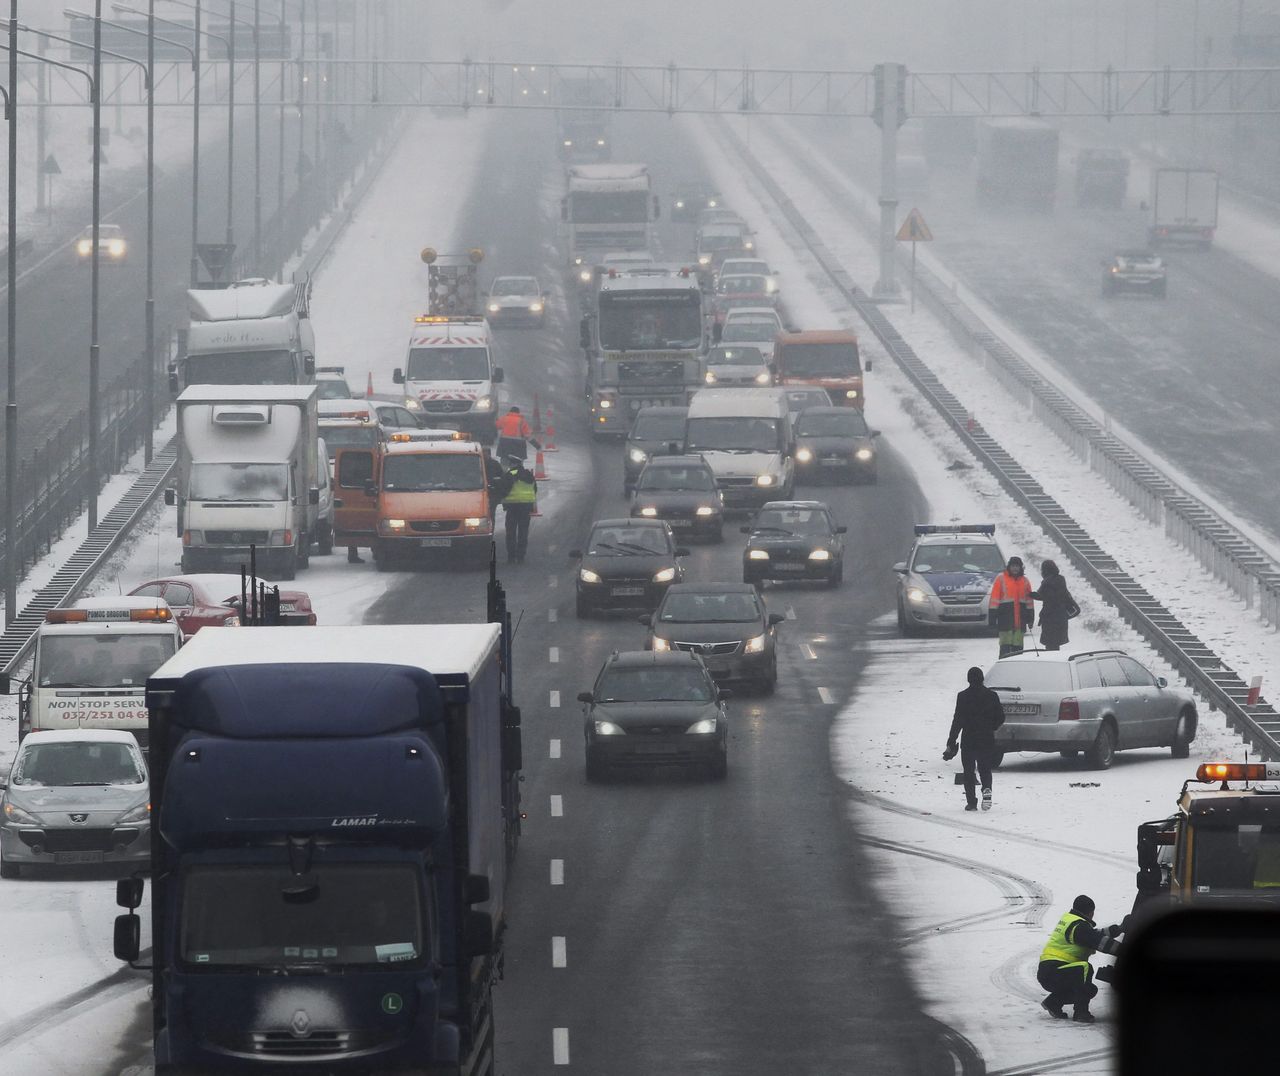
(522, 492)
(1062, 951)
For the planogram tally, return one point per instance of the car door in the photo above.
(1157, 726)
(181, 600)
(1121, 700)
(355, 511)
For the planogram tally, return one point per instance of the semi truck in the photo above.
(332, 821)
(1184, 206)
(248, 475)
(252, 332)
(582, 119)
(1102, 177)
(1017, 164)
(607, 207)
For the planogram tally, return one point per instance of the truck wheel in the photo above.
(1103, 752)
(325, 541)
(10, 870)
(1183, 734)
(581, 608)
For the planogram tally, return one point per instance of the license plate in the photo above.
(676, 523)
(435, 543)
(1021, 708)
(653, 749)
(975, 617)
(77, 857)
(789, 567)
(627, 592)
(832, 463)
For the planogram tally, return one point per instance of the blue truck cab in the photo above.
(329, 851)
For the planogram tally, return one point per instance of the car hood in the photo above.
(734, 370)
(609, 567)
(846, 445)
(740, 464)
(701, 632)
(767, 540)
(675, 498)
(44, 799)
(956, 582)
(666, 715)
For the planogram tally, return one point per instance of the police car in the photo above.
(945, 582)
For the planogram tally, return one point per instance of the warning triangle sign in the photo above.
(914, 229)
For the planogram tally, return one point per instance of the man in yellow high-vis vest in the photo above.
(1064, 968)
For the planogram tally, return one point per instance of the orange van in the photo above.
(827, 358)
(433, 499)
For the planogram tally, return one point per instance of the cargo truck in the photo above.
(1184, 206)
(1017, 164)
(248, 474)
(1102, 177)
(607, 207)
(332, 817)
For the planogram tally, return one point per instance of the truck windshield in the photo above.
(819, 360)
(609, 207)
(239, 482)
(732, 434)
(265, 916)
(83, 763)
(1235, 858)
(116, 660)
(449, 364)
(435, 472)
(242, 368)
(647, 322)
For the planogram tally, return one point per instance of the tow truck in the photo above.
(1222, 843)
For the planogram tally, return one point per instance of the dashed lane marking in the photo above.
(553, 581)
(560, 1045)
(555, 700)
(557, 872)
(559, 957)
(825, 695)
(557, 806)
(808, 651)
(553, 655)
(555, 749)
(552, 615)
(791, 612)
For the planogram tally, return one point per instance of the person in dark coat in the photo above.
(1056, 607)
(978, 714)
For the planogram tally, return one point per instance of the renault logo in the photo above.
(79, 819)
(300, 1025)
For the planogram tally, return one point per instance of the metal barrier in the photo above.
(1221, 686)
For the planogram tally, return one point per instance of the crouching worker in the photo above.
(1065, 970)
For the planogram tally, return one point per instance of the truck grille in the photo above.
(640, 374)
(446, 407)
(708, 649)
(235, 537)
(286, 1044)
(431, 526)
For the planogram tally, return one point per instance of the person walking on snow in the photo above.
(1064, 968)
(978, 714)
(513, 432)
(1056, 607)
(1010, 610)
(519, 502)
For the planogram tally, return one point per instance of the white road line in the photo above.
(808, 652)
(825, 696)
(791, 613)
(560, 1045)
(555, 700)
(553, 655)
(555, 749)
(552, 614)
(551, 548)
(557, 872)
(559, 958)
(557, 806)
(553, 581)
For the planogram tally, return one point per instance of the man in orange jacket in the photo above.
(513, 432)
(1011, 611)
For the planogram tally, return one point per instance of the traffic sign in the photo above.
(914, 229)
(50, 166)
(216, 257)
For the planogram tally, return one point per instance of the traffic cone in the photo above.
(550, 446)
(368, 392)
(537, 415)
(540, 468)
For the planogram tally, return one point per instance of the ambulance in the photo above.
(451, 376)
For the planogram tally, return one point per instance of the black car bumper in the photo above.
(669, 748)
(610, 594)
(753, 571)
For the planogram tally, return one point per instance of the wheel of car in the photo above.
(836, 577)
(10, 870)
(1183, 734)
(905, 628)
(720, 767)
(325, 542)
(596, 770)
(289, 567)
(718, 537)
(581, 608)
(1103, 752)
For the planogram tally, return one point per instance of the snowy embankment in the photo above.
(978, 894)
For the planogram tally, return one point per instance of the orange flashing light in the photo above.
(156, 615)
(1237, 771)
(400, 438)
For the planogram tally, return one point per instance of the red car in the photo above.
(202, 601)
(742, 289)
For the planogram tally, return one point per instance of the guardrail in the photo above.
(1194, 660)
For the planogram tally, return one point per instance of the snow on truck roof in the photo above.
(444, 650)
(245, 299)
(259, 394)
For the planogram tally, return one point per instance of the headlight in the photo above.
(140, 813)
(704, 259)
(608, 728)
(764, 480)
(712, 203)
(803, 455)
(588, 576)
(231, 622)
(851, 394)
(577, 260)
(757, 554)
(764, 378)
(585, 276)
(664, 576)
(637, 456)
(605, 404)
(754, 646)
(477, 523)
(391, 526)
(711, 377)
(820, 554)
(599, 141)
(116, 248)
(483, 403)
(915, 594)
(568, 142)
(494, 308)
(679, 205)
(535, 308)
(748, 245)
(649, 511)
(705, 510)
(13, 813)
(84, 248)
(864, 454)
(412, 403)
(661, 644)
(704, 727)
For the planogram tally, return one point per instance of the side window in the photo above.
(151, 590)
(1112, 673)
(179, 594)
(1087, 674)
(1138, 676)
(355, 469)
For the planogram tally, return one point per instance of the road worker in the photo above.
(1011, 611)
(1064, 968)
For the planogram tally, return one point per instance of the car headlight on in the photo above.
(664, 576)
(748, 245)
(586, 575)
(608, 728)
(704, 259)
(477, 523)
(917, 595)
(392, 526)
(764, 378)
(803, 455)
(599, 141)
(705, 510)
(711, 377)
(140, 813)
(14, 813)
(705, 727)
(585, 276)
(764, 480)
(851, 394)
(116, 248)
(679, 205)
(757, 554)
(637, 456)
(605, 404)
(660, 644)
(483, 403)
(754, 646)
(84, 248)
(535, 308)
(649, 511)
(864, 454)
(494, 308)
(820, 554)
(712, 203)
(412, 403)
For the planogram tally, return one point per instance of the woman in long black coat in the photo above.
(1056, 606)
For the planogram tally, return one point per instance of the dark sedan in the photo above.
(726, 624)
(682, 491)
(657, 431)
(651, 709)
(794, 540)
(627, 564)
(834, 443)
(688, 202)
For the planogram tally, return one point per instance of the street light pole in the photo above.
(149, 338)
(94, 349)
(11, 400)
(231, 125)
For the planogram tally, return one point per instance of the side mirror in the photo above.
(498, 376)
(397, 375)
(681, 551)
(657, 208)
(584, 333)
(575, 554)
(129, 892)
(308, 364)
(867, 366)
(745, 530)
(775, 619)
(842, 530)
(371, 488)
(313, 495)
(875, 433)
(901, 567)
(1160, 682)
(645, 619)
(479, 934)
(586, 696)
(724, 693)
(476, 889)
(171, 497)
(127, 937)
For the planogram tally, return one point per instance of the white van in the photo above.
(745, 435)
(451, 377)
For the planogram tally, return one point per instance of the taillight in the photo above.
(186, 537)
(1069, 710)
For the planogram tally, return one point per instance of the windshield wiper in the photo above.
(640, 550)
(774, 530)
(610, 545)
